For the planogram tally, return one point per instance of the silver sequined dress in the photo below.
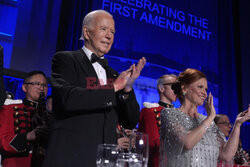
(174, 126)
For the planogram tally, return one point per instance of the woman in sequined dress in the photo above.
(189, 138)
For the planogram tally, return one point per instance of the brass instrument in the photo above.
(40, 122)
(240, 157)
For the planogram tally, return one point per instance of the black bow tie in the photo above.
(103, 62)
(94, 58)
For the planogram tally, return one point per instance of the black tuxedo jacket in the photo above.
(2, 89)
(86, 115)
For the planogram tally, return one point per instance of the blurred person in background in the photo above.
(20, 131)
(222, 121)
(150, 123)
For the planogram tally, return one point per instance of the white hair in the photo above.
(90, 17)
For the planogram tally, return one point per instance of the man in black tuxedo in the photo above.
(2, 89)
(89, 97)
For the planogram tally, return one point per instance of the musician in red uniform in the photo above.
(17, 134)
(150, 116)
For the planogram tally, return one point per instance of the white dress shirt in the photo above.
(100, 71)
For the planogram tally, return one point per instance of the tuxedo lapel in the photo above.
(85, 64)
(111, 73)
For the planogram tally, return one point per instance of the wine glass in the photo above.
(106, 155)
(139, 145)
(129, 160)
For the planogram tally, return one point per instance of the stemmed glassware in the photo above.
(106, 155)
(139, 145)
(111, 155)
(129, 160)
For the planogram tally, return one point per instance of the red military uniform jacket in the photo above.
(150, 123)
(15, 123)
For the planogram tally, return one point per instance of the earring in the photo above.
(184, 93)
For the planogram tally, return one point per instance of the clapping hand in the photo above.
(136, 70)
(209, 105)
(127, 78)
(243, 116)
(122, 79)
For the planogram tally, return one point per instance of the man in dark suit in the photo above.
(2, 89)
(89, 97)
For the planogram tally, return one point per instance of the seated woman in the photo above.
(189, 138)
(241, 157)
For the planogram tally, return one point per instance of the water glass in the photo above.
(106, 155)
(129, 160)
(139, 145)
